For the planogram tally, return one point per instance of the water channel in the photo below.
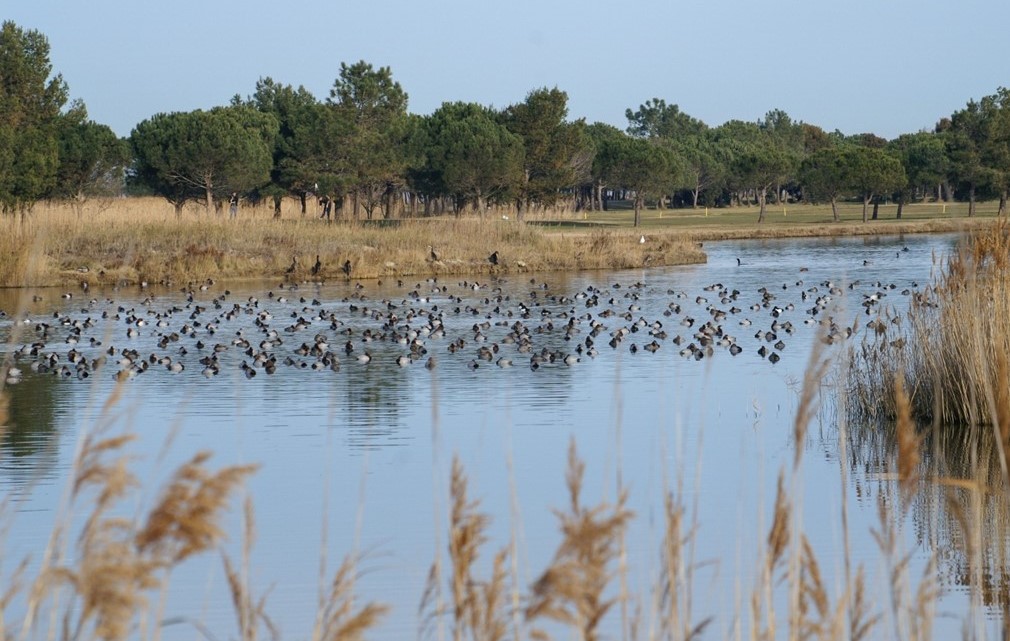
(357, 460)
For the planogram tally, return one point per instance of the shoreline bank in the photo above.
(70, 252)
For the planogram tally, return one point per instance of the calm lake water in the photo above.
(361, 456)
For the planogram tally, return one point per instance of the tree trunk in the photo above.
(302, 197)
(1002, 203)
(948, 193)
(638, 210)
(277, 207)
(971, 202)
(762, 196)
(901, 205)
(694, 197)
(178, 208)
(876, 208)
(834, 209)
(209, 195)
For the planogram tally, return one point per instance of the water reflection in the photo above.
(27, 446)
(961, 509)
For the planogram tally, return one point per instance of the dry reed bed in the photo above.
(950, 349)
(131, 244)
(141, 239)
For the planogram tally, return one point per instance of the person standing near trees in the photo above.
(327, 204)
(233, 205)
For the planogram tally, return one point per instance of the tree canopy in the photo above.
(204, 155)
(470, 156)
(31, 112)
(557, 152)
(645, 169)
(370, 109)
(361, 145)
(92, 162)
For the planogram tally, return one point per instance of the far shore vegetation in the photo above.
(130, 241)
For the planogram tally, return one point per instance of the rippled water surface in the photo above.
(361, 456)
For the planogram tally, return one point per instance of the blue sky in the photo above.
(881, 66)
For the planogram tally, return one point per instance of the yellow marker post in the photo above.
(783, 210)
(706, 212)
(944, 208)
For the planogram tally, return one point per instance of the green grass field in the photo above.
(776, 216)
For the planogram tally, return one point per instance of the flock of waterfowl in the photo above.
(434, 323)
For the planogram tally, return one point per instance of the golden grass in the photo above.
(142, 240)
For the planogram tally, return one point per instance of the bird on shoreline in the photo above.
(346, 268)
(294, 265)
(493, 258)
(317, 266)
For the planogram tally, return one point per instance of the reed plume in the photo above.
(340, 619)
(116, 565)
(249, 611)
(185, 519)
(571, 590)
(480, 609)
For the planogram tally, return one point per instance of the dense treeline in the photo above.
(361, 151)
